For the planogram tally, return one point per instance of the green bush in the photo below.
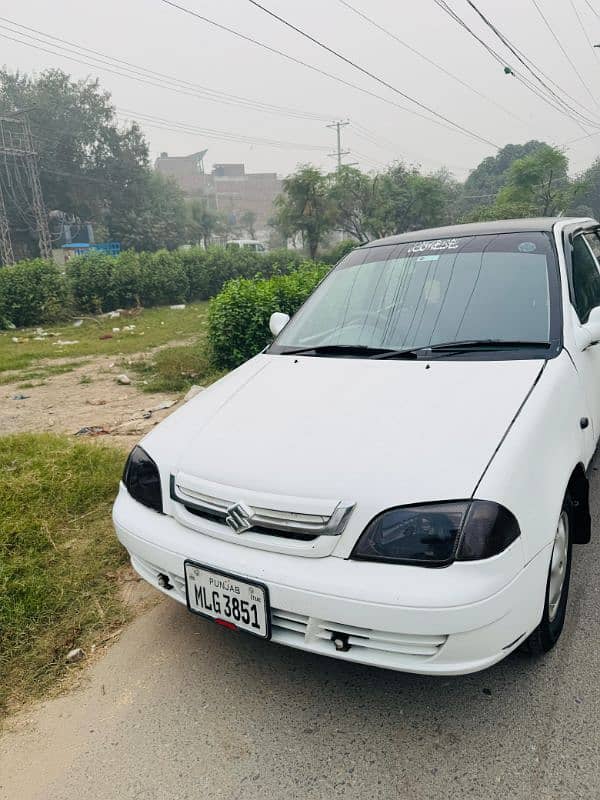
(32, 293)
(238, 318)
(336, 253)
(97, 283)
(163, 278)
(209, 270)
(90, 279)
(126, 278)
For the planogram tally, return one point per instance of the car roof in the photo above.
(479, 228)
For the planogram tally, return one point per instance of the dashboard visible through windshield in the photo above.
(478, 289)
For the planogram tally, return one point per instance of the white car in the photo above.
(399, 478)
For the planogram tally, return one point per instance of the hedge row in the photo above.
(238, 317)
(37, 292)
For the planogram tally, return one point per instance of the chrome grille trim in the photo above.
(265, 518)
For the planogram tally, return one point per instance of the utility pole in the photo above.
(338, 125)
(17, 148)
(39, 208)
(6, 252)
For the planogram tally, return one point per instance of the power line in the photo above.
(147, 76)
(592, 9)
(291, 58)
(562, 49)
(370, 74)
(221, 135)
(530, 65)
(426, 58)
(556, 102)
(207, 132)
(583, 28)
(386, 144)
(369, 160)
(212, 94)
(305, 64)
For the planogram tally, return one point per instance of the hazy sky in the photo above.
(152, 35)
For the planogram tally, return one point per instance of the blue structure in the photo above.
(83, 248)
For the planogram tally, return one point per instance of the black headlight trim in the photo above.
(142, 479)
(486, 529)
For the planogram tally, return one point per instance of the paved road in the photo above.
(182, 709)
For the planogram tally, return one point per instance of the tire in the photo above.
(548, 632)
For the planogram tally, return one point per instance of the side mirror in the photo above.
(279, 320)
(589, 333)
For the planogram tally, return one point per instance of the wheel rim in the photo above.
(558, 566)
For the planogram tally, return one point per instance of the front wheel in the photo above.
(547, 633)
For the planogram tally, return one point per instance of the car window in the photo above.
(586, 277)
(417, 294)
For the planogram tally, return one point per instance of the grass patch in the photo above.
(58, 554)
(175, 369)
(152, 327)
(42, 372)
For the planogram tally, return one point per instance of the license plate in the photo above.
(228, 599)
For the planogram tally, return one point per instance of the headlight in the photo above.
(142, 479)
(436, 534)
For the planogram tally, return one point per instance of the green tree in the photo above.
(491, 175)
(354, 198)
(406, 200)
(91, 167)
(247, 222)
(539, 182)
(203, 223)
(156, 217)
(86, 160)
(536, 185)
(587, 191)
(305, 208)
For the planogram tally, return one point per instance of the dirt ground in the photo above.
(87, 397)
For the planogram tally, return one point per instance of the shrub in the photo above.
(281, 262)
(126, 278)
(194, 262)
(336, 253)
(31, 293)
(34, 292)
(163, 278)
(90, 279)
(238, 318)
(209, 270)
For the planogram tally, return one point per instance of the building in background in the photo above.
(228, 188)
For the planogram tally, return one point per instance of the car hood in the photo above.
(375, 433)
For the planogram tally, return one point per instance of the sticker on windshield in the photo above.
(527, 247)
(436, 244)
(428, 258)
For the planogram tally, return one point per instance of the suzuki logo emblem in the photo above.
(239, 517)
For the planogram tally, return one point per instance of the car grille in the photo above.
(290, 523)
(364, 643)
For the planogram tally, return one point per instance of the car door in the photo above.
(585, 295)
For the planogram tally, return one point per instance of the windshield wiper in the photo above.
(462, 347)
(337, 349)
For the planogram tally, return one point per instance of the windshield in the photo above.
(494, 287)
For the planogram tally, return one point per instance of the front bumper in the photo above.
(452, 632)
